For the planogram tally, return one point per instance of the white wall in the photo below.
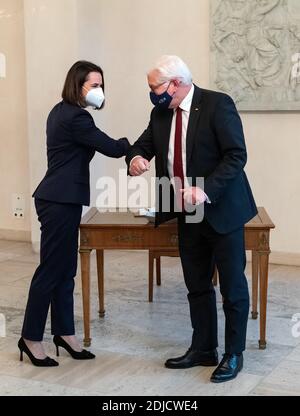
(273, 168)
(51, 48)
(125, 37)
(14, 166)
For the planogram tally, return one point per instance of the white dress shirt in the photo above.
(185, 106)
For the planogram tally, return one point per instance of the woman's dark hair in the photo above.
(76, 77)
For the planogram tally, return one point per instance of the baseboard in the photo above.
(15, 235)
(288, 259)
(282, 258)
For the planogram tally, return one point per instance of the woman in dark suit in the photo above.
(72, 139)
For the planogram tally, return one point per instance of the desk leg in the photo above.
(100, 271)
(150, 284)
(158, 271)
(263, 283)
(85, 277)
(255, 264)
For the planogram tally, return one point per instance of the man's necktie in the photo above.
(177, 164)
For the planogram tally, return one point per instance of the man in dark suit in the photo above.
(195, 133)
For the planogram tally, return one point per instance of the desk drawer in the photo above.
(163, 238)
(129, 238)
(113, 239)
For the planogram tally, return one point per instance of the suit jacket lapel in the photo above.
(195, 113)
(165, 129)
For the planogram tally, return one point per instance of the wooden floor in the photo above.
(135, 338)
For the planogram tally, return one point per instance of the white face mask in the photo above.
(95, 97)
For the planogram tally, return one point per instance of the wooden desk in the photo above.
(123, 231)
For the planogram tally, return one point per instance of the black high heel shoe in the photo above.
(77, 355)
(46, 362)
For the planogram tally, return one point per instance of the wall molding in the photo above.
(15, 235)
(281, 258)
(287, 259)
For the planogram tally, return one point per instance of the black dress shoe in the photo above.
(228, 368)
(77, 355)
(193, 358)
(45, 362)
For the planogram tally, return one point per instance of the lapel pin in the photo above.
(196, 109)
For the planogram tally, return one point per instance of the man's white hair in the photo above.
(172, 67)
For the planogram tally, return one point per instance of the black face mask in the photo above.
(161, 100)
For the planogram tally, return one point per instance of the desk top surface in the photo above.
(95, 217)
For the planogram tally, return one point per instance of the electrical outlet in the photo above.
(18, 206)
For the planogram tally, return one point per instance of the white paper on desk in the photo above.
(147, 212)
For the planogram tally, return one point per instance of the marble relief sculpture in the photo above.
(255, 52)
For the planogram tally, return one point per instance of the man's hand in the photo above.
(194, 195)
(138, 166)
